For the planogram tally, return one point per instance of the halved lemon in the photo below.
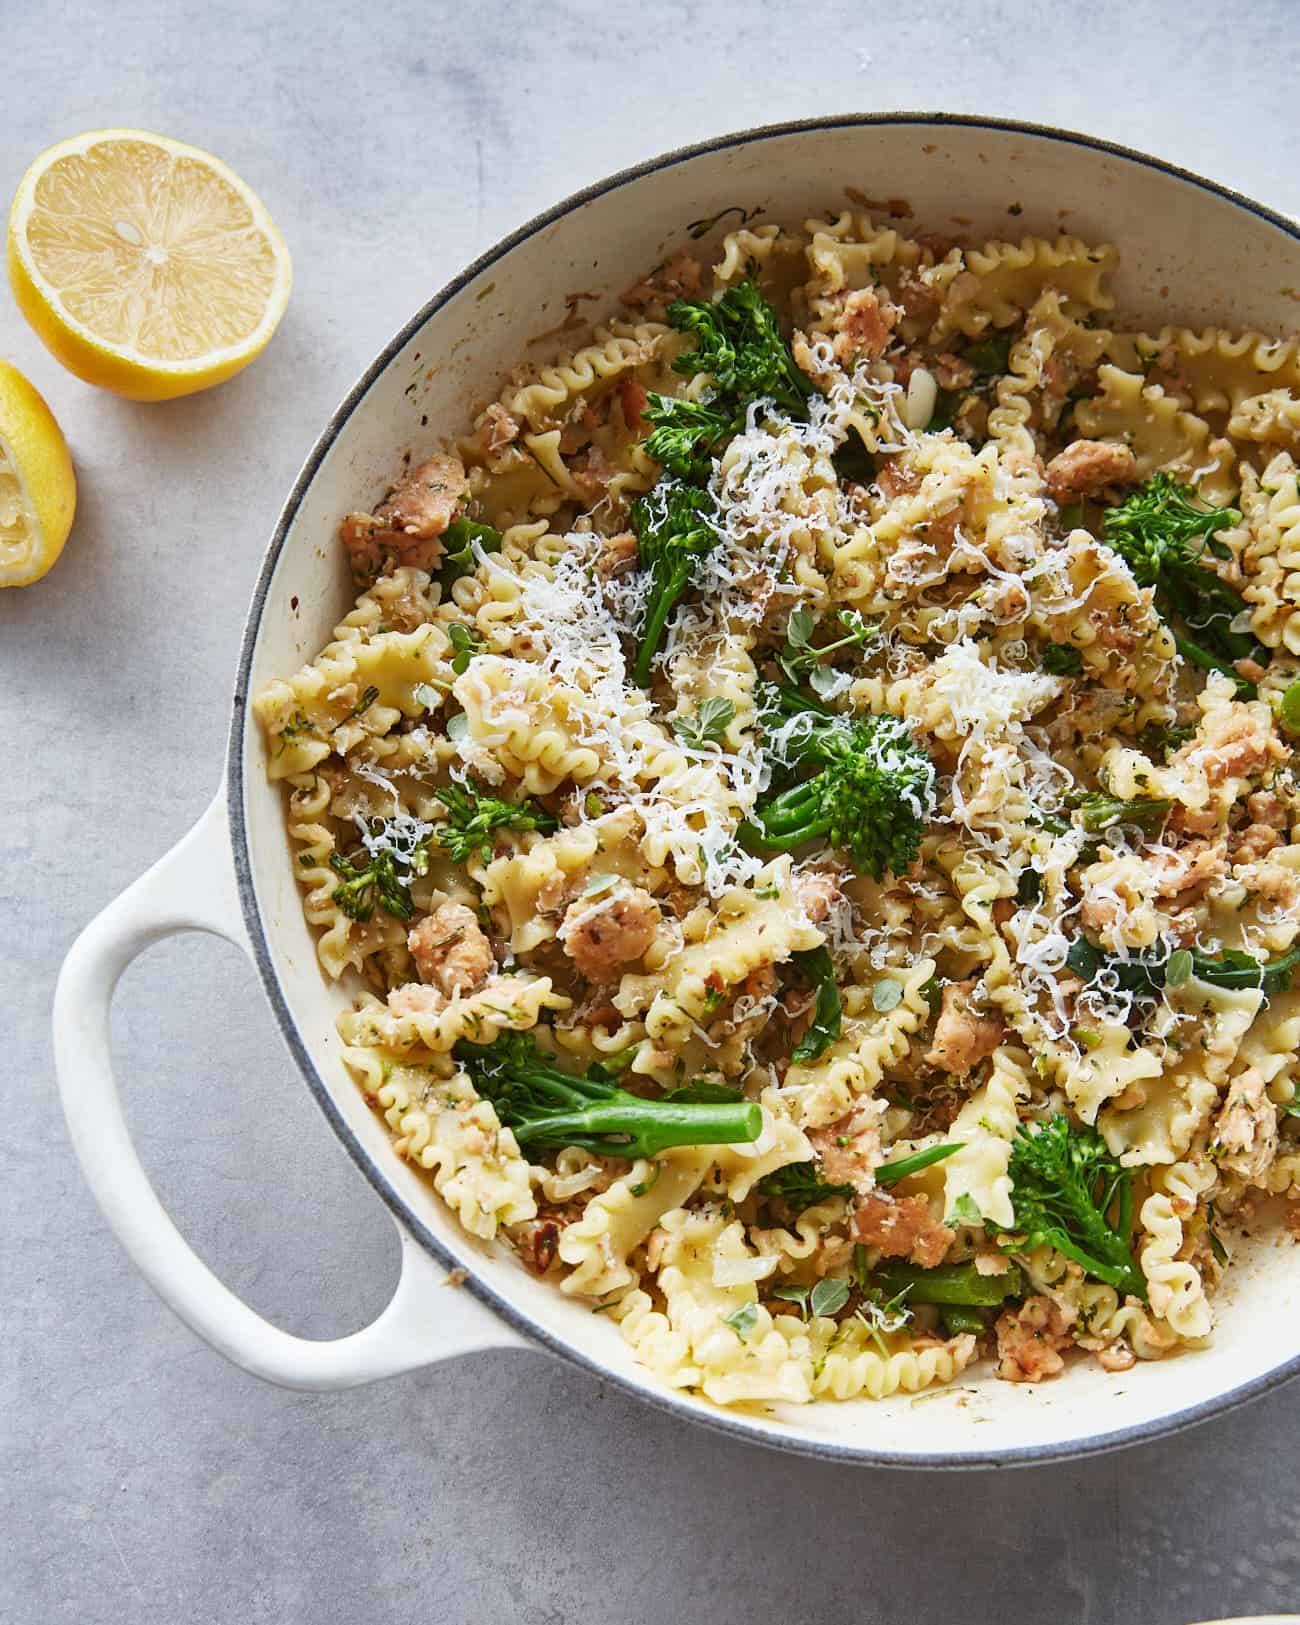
(147, 266)
(38, 490)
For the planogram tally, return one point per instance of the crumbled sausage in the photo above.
(818, 891)
(863, 324)
(963, 1035)
(951, 372)
(617, 556)
(894, 480)
(538, 1244)
(1116, 1357)
(1246, 1128)
(1186, 872)
(1087, 467)
(500, 429)
(602, 933)
(1254, 842)
(406, 528)
(1238, 743)
(1030, 1340)
(1271, 882)
(902, 1227)
(415, 999)
(848, 1150)
(1251, 670)
(919, 299)
(450, 951)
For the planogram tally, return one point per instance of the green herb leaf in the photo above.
(886, 995)
(644, 1186)
(458, 542)
(466, 642)
(473, 816)
(964, 1211)
(1029, 886)
(829, 1296)
(1178, 968)
(709, 722)
(742, 1320)
(802, 658)
(701, 228)
(427, 695)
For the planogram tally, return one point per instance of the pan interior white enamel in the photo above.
(1189, 255)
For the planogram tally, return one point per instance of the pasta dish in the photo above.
(806, 798)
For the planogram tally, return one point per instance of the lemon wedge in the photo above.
(38, 490)
(145, 265)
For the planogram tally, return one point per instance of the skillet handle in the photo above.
(192, 889)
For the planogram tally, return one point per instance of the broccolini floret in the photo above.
(472, 816)
(1069, 1192)
(685, 432)
(674, 528)
(738, 344)
(546, 1107)
(872, 792)
(1164, 534)
(362, 885)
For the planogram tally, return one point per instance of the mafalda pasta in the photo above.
(806, 801)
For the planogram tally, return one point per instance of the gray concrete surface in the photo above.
(144, 1480)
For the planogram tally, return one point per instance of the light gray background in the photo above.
(144, 1480)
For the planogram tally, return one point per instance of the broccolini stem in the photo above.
(957, 1318)
(1198, 656)
(665, 599)
(793, 817)
(627, 1126)
(546, 1107)
(948, 1283)
(1098, 813)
